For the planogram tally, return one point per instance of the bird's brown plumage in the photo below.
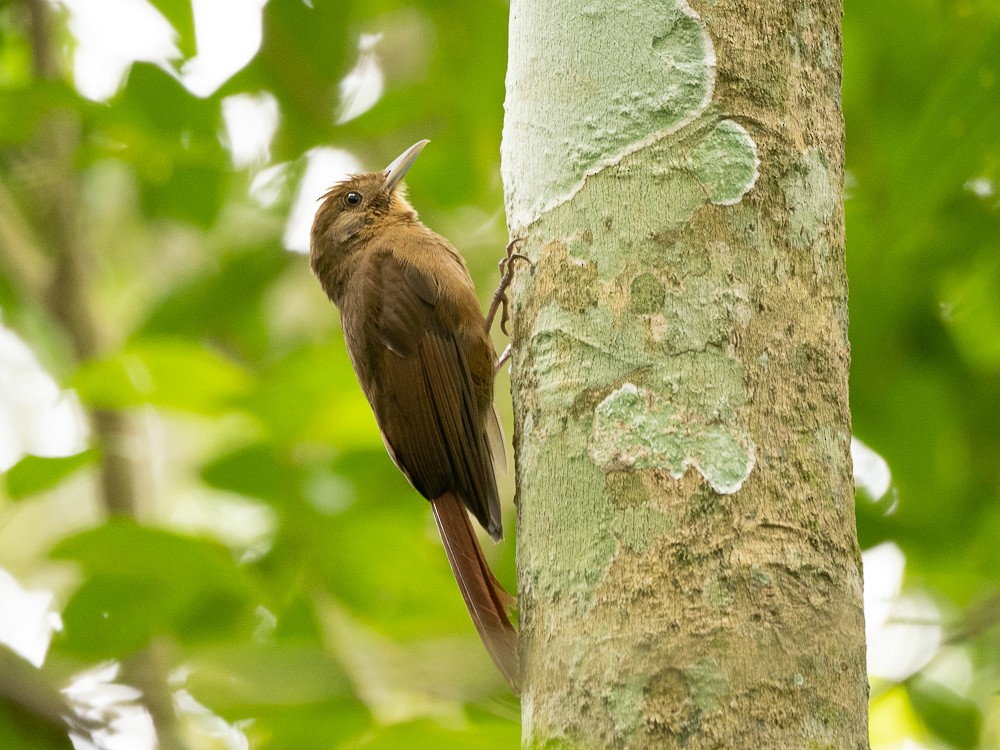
(416, 337)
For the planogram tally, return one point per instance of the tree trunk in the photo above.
(688, 566)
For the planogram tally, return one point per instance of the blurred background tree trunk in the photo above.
(688, 564)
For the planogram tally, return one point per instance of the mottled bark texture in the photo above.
(688, 565)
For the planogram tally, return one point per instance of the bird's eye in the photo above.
(353, 198)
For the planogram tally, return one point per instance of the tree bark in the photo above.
(688, 565)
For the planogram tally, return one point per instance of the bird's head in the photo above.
(363, 202)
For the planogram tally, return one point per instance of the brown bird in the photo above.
(419, 344)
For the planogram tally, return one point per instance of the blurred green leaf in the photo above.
(951, 717)
(255, 471)
(223, 303)
(170, 138)
(971, 298)
(114, 615)
(141, 582)
(24, 108)
(170, 373)
(302, 57)
(32, 709)
(34, 474)
(21, 730)
(249, 675)
(121, 546)
(311, 726)
(190, 190)
(428, 735)
(312, 395)
(387, 565)
(181, 16)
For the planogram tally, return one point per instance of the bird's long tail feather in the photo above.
(485, 598)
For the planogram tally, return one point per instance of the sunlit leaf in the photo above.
(112, 615)
(428, 735)
(312, 395)
(181, 16)
(22, 109)
(261, 674)
(951, 717)
(120, 546)
(170, 138)
(387, 566)
(309, 726)
(223, 303)
(142, 582)
(256, 471)
(171, 373)
(34, 474)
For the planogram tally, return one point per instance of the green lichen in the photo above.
(716, 593)
(638, 428)
(647, 294)
(810, 196)
(637, 527)
(725, 161)
(659, 82)
(627, 705)
(707, 684)
(611, 105)
(571, 558)
(626, 489)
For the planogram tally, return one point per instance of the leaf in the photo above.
(181, 16)
(312, 395)
(223, 303)
(170, 139)
(428, 735)
(142, 582)
(31, 706)
(301, 59)
(249, 675)
(170, 373)
(953, 718)
(22, 730)
(122, 546)
(33, 474)
(190, 190)
(386, 565)
(23, 108)
(114, 615)
(255, 471)
(311, 726)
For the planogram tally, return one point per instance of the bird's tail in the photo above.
(486, 599)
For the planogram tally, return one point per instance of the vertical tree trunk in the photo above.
(688, 565)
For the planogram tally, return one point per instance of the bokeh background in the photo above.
(159, 166)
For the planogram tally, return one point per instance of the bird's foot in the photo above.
(500, 300)
(504, 356)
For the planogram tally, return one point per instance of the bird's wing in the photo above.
(422, 391)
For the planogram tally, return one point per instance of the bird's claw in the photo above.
(500, 301)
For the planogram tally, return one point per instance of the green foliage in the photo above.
(282, 564)
(953, 718)
(170, 373)
(229, 357)
(427, 735)
(35, 474)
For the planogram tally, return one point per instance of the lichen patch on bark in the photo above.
(593, 114)
(811, 197)
(636, 428)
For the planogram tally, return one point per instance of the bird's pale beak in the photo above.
(396, 171)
